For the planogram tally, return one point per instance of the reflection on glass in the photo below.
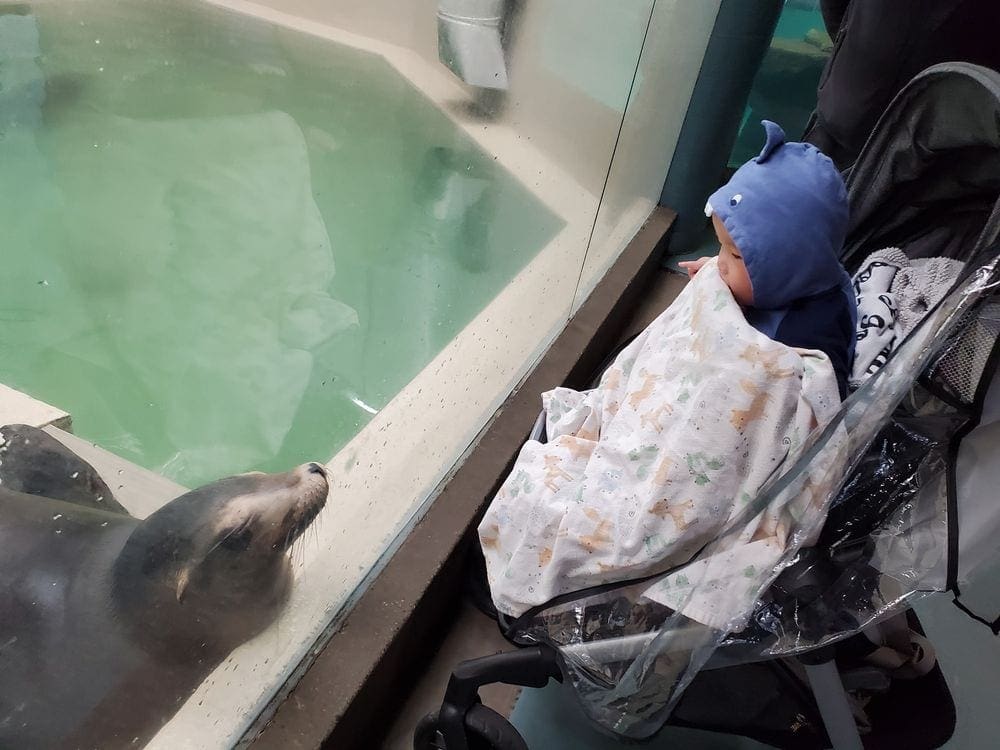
(784, 89)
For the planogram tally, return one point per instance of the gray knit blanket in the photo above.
(894, 294)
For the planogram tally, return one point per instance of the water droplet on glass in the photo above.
(104, 524)
(121, 471)
(59, 531)
(57, 516)
(43, 282)
(74, 475)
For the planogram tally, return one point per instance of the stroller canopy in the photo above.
(929, 177)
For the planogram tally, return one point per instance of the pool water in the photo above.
(225, 244)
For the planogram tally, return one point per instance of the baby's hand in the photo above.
(693, 266)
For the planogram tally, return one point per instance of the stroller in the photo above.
(908, 512)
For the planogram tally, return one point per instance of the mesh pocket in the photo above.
(959, 367)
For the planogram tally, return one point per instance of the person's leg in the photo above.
(881, 45)
(862, 75)
(833, 15)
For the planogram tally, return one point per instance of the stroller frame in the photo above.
(534, 666)
(461, 714)
(463, 724)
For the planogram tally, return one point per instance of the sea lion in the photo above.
(108, 623)
(35, 463)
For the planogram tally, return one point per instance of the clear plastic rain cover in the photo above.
(878, 474)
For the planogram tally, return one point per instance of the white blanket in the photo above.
(642, 472)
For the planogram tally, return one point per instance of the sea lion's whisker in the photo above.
(298, 552)
(234, 530)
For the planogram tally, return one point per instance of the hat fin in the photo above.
(775, 138)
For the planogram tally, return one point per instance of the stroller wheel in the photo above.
(485, 729)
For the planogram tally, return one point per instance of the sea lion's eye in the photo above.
(237, 540)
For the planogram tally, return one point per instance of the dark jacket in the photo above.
(882, 44)
(822, 322)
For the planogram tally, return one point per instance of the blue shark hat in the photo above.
(786, 210)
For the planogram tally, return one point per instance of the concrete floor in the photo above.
(473, 635)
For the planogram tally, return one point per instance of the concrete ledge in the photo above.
(20, 408)
(356, 680)
(139, 490)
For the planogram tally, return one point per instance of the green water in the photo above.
(225, 245)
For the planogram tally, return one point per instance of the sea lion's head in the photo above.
(210, 569)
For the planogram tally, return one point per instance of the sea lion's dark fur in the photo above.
(34, 462)
(107, 623)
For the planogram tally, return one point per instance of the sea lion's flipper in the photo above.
(35, 463)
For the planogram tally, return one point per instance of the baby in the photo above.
(781, 222)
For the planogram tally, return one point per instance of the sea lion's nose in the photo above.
(315, 468)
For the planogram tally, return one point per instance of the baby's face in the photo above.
(731, 266)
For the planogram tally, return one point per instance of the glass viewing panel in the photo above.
(244, 237)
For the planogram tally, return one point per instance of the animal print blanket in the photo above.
(642, 472)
